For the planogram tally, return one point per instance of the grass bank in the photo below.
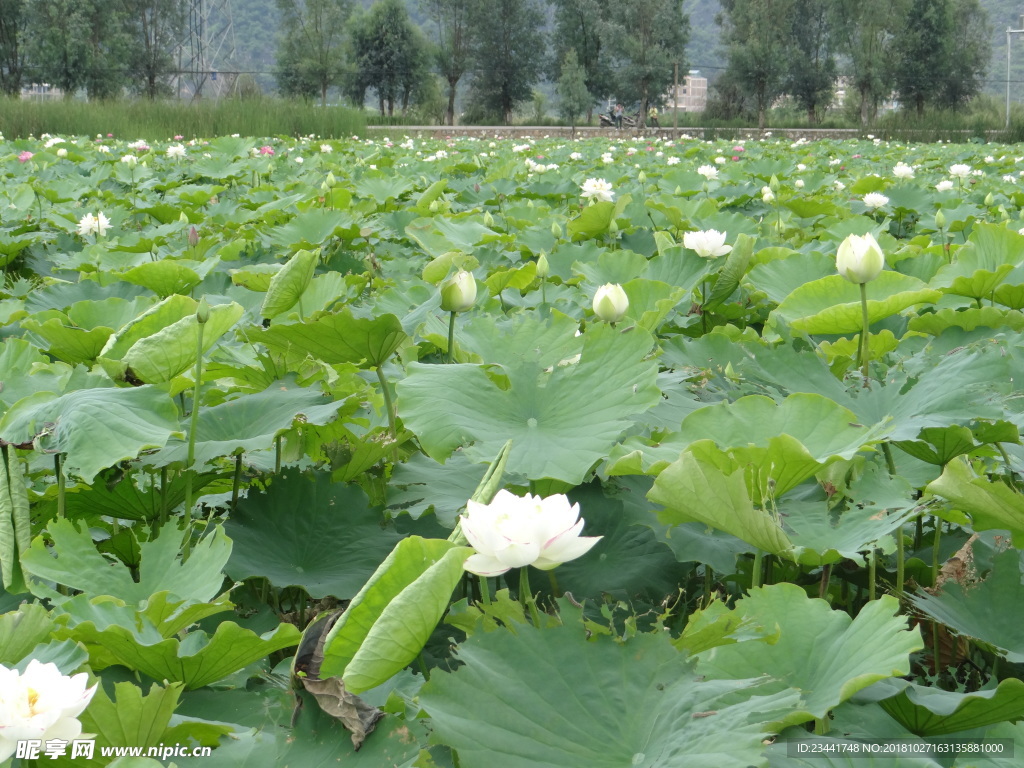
(163, 119)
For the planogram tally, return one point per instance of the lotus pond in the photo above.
(249, 387)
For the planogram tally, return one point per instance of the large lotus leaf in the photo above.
(823, 653)
(769, 472)
(22, 630)
(197, 660)
(551, 699)
(288, 284)
(67, 342)
(80, 566)
(939, 445)
(818, 538)
(968, 319)
(988, 257)
(172, 350)
(510, 342)
(320, 741)
(717, 625)
(79, 425)
(561, 421)
(1011, 734)
(311, 229)
(983, 611)
(832, 304)
(338, 338)
(156, 318)
(131, 719)
(421, 484)
(126, 501)
(251, 422)
(387, 624)
(440, 235)
(692, 489)
(935, 712)
(308, 532)
(612, 267)
(824, 428)
(592, 221)
(991, 505)
(165, 277)
(833, 752)
(383, 187)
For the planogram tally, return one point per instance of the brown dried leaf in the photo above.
(353, 713)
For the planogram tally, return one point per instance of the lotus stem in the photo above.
(555, 591)
(193, 424)
(163, 495)
(872, 569)
(60, 486)
(236, 482)
(389, 406)
(865, 325)
(485, 590)
(755, 574)
(900, 564)
(709, 583)
(826, 577)
(526, 596)
(451, 337)
(277, 455)
(1007, 469)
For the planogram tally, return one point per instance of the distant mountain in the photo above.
(704, 51)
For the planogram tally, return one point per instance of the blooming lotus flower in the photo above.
(597, 190)
(326, 149)
(902, 171)
(513, 532)
(874, 200)
(944, 186)
(266, 149)
(24, 157)
(129, 160)
(709, 172)
(960, 170)
(708, 244)
(93, 225)
(459, 293)
(62, 152)
(673, 161)
(610, 302)
(40, 703)
(860, 259)
(175, 151)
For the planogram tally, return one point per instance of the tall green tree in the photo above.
(508, 52)
(811, 75)
(12, 52)
(154, 26)
(453, 43)
(645, 39)
(922, 51)
(578, 26)
(757, 33)
(311, 48)
(76, 44)
(389, 53)
(573, 95)
(865, 34)
(970, 53)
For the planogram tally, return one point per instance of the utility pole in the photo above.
(675, 99)
(1008, 38)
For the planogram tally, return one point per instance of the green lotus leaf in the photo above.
(592, 221)
(561, 421)
(311, 229)
(164, 277)
(991, 505)
(822, 653)
(66, 342)
(308, 532)
(289, 283)
(78, 424)
(935, 323)
(80, 566)
(338, 338)
(551, 699)
(935, 712)
(832, 304)
(980, 611)
(22, 630)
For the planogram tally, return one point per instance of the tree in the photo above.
(310, 53)
(811, 75)
(578, 26)
(865, 35)
(645, 38)
(389, 53)
(970, 53)
(454, 46)
(574, 97)
(757, 33)
(78, 44)
(154, 26)
(12, 53)
(507, 53)
(922, 52)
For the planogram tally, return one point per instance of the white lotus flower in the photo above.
(902, 171)
(860, 258)
(874, 200)
(41, 704)
(130, 160)
(326, 149)
(176, 150)
(960, 170)
(93, 225)
(513, 532)
(944, 186)
(708, 244)
(610, 302)
(597, 190)
(709, 172)
(459, 293)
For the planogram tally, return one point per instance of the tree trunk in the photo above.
(864, 106)
(323, 94)
(812, 115)
(451, 100)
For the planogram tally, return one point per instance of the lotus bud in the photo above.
(459, 293)
(613, 228)
(677, 191)
(434, 206)
(773, 183)
(324, 188)
(610, 302)
(331, 181)
(183, 218)
(860, 259)
(543, 268)
(556, 229)
(193, 237)
(940, 219)
(529, 204)
(488, 219)
(1003, 213)
(641, 177)
(989, 199)
(202, 311)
